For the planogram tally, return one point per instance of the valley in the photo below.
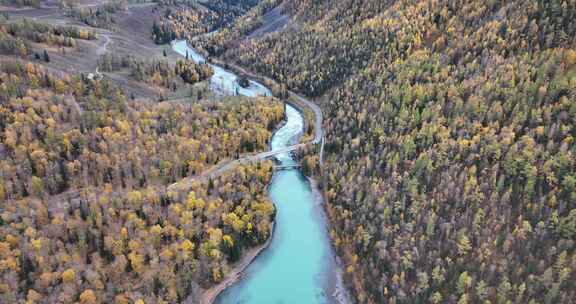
(287, 151)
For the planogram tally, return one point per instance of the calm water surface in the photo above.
(293, 269)
(299, 264)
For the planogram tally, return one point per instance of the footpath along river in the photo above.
(299, 265)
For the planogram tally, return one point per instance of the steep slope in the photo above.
(450, 163)
(85, 210)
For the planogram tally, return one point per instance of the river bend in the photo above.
(299, 265)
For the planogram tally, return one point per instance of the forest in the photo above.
(100, 17)
(242, 26)
(17, 38)
(156, 72)
(87, 214)
(20, 3)
(188, 19)
(450, 173)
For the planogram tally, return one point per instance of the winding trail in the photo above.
(318, 131)
(103, 48)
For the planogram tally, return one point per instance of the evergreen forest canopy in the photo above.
(450, 169)
(87, 214)
(449, 166)
(110, 199)
(188, 18)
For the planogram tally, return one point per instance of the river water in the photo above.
(298, 266)
(223, 81)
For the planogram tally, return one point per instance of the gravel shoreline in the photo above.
(335, 290)
(334, 283)
(209, 295)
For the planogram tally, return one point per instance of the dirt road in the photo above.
(103, 48)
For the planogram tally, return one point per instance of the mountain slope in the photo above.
(450, 163)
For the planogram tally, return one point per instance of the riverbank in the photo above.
(237, 272)
(293, 98)
(337, 292)
(209, 295)
(319, 277)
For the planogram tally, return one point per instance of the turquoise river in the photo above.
(299, 265)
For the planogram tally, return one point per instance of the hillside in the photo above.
(86, 213)
(110, 193)
(450, 169)
(449, 166)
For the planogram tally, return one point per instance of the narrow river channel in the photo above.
(299, 265)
